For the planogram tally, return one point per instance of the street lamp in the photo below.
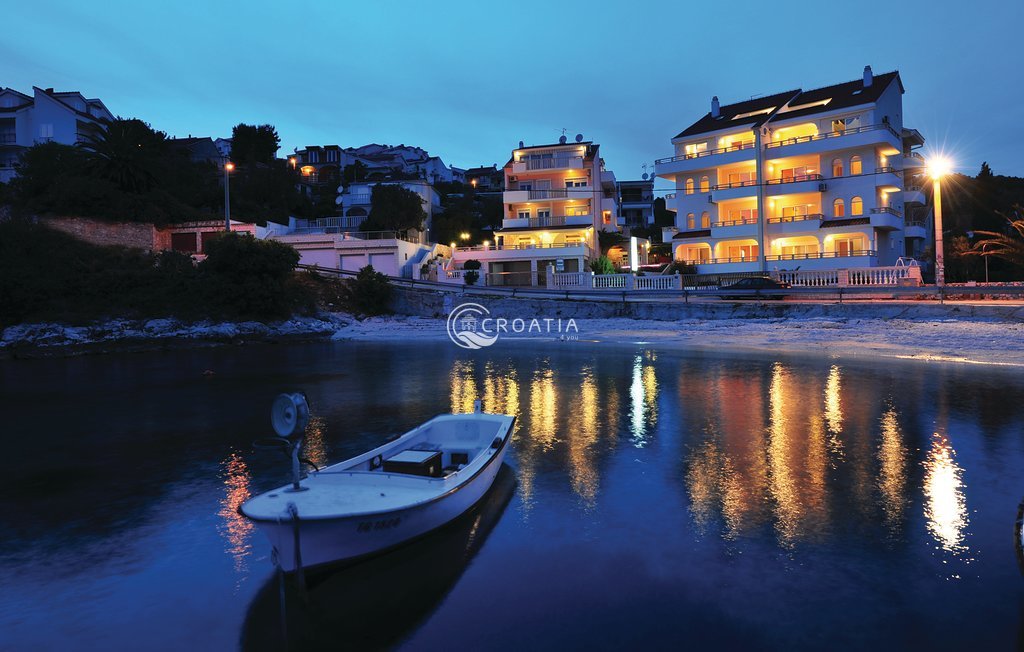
(464, 235)
(228, 167)
(292, 161)
(938, 167)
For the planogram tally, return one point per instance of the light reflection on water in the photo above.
(708, 490)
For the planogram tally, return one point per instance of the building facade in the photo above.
(354, 204)
(636, 203)
(45, 116)
(817, 179)
(557, 199)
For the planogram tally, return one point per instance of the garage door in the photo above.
(353, 263)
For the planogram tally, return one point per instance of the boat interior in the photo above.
(436, 449)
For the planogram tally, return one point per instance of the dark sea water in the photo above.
(651, 500)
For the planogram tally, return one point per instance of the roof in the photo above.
(565, 144)
(839, 96)
(482, 171)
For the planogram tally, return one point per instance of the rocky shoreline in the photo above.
(127, 335)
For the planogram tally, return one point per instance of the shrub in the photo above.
(471, 277)
(471, 264)
(369, 292)
(602, 265)
(246, 277)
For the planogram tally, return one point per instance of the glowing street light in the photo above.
(464, 235)
(938, 167)
(291, 159)
(228, 167)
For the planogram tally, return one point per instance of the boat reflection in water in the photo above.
(374, 604)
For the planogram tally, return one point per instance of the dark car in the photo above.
(757, 287)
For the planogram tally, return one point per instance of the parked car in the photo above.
(758, 287)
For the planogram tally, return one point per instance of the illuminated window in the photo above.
(837, 167)
(705, 184)
(856, 206)
(523, 213)
(838, 208)
(854, 245)
(689, 186)
(839, 126)
(606, 217)
(705, 220)
(741, 252)
(690, 223)
(855, 165)
(575, 183)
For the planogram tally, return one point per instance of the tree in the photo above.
(254, 144)
(369, 293)
(129, 153)
(602, 265)
(353, 172)
(394, 208)
(662, 216)
(986, 172)
(1008, 247)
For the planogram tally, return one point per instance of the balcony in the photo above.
(553, 163)
(554, 194)
(581, 221)
(913, 195)
(795, 223)
(852, 137)
(8, 138)
(913, 159)
(821, 255)
(797, 183)
(915, 229)
(734, 190)
(698, 160)
(636, 199)
(745, 227)
(886, 218)
(688, 234)
(525, 251)
(889, 178)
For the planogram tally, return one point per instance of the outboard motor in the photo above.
(289, 416)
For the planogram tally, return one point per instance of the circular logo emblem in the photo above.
(464, 326)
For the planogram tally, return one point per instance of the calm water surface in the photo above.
(652, 499)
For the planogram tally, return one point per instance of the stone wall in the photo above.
(124, 234)
(431, 303)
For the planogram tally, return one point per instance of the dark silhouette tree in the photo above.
(254, 144)
(394, 208)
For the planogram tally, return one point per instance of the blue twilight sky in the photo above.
(467, 81)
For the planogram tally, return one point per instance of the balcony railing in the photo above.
(795, 179)
(735, 259)
(913, 155)
(913, 188)
(784, 219)
(824, 254)
(914, 222)
(637, 199)
(557, 193)
(887, 209)
(888, 169)
(8, 138)
(340, 222)
(551, 163)
(707, 152)
(551, 220)
(735, 184)
(525, 247)
(736, 222)
(831, 134)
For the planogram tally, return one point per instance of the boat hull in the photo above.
(344, 539)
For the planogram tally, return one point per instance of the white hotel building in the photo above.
(557, 199)
(818, 179)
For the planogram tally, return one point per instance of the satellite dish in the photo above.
(645, 176)
(579, 138)
(562, 139)
(289, 415)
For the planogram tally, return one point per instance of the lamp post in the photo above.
(938, 168)
(228, 167)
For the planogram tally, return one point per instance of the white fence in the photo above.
(898, 275)
(592, 281)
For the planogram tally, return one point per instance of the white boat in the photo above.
(386, 496)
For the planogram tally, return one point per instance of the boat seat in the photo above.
(425, 446)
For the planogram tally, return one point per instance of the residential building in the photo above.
(405, 161)
(558, 197)
(224, 147)
(198, 150)
(332, 243)
(636, 201)
(66, 117)
(817, 179)
(354, 204)
(486, 178)
(318, 166)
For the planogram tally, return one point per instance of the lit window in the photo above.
(523, 214)
(689, 186)
(855, 165)
(856, 206)
(690, 223)
(837, 167)
(705, 184)
(705, 220)
(838, 208)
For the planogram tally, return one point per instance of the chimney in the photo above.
(868, 77)
(715, 110)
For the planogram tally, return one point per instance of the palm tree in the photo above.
(1008, 247)
(128, 153)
